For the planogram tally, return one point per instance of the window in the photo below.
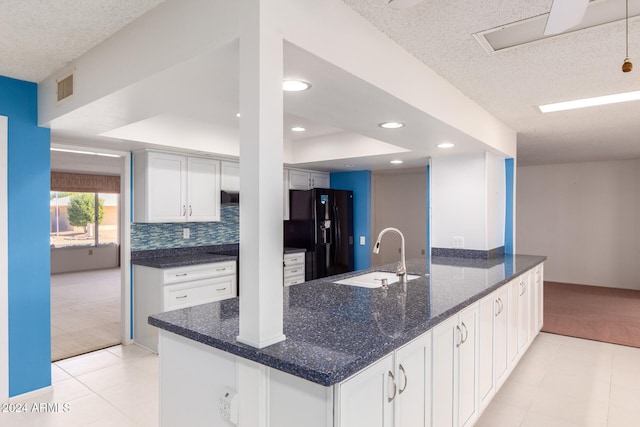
(74, 221)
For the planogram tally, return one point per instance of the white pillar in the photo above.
(261, 251)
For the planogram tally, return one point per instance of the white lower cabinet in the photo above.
(162, 289)
(454, 367)
(523, 312)
(501, 336)
(392, 392)
(293, 268)
(489, 307)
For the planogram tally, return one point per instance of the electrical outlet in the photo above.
(186, 233)
(229, 406)
(458, 242)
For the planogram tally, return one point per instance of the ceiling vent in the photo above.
(531, 30)
(65, 88)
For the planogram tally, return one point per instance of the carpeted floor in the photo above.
(592, 312)
(85, 312)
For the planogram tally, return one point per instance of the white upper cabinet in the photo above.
(230, 179)
(175, 188)
(306, 180)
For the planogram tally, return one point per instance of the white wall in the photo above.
(468, 199)
(458, 207)
(399, 199)
(585, 218)
(496, 190)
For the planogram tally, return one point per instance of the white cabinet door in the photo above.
(540, 297)
(446, 338)
(320, 180)
(501, 330)
(366, 399)
(523, 312)
(532, 290)
(299, 180)
(413, 380)
(204, 189)
(512, 314)
(486, 343)
(166, 189)
(285, 195)
(230, 177)
(468, 369)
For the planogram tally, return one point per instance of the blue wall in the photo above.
(360, 183)
(508, 219)
(28, 177)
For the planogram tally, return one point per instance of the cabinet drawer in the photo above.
(294, 259)
(197, 292)
(197, 272)
(293, 280)
(296, 270)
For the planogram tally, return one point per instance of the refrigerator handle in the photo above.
(338, 234)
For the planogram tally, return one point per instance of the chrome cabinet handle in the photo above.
(190, 210)
(497, 301)
(395, 388)
(524, 288)
(184, 210)
(221, 269)
(181, 297)
(460, 334)
(466, 333)
(181, 274)
(406, 379)
(221, 289)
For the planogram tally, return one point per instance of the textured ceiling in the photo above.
(510, 84)
(39, 37)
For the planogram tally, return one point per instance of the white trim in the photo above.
(4, 263)
(125, 234)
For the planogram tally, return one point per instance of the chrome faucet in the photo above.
(401, 271)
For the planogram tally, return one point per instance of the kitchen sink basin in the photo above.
(373, 279)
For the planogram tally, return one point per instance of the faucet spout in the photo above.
(401, 271)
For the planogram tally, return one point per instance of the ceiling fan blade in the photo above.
(565, 14)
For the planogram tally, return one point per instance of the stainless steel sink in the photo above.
(373, 279)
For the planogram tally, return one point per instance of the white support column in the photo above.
(261, 146)
(4, 263)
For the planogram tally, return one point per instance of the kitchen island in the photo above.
(346, 360)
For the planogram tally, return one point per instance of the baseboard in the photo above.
(31, 394)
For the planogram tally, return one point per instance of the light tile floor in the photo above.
(560, 382)
(569, 382)
(117, 386)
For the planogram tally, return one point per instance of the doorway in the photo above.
(86, 235)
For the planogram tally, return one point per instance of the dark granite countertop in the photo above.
(179, 257)
(334, 331)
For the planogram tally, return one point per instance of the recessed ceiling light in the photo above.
(445, 145)
(295, 85)
(396, 162)
(591, 102)
(391, 125)
(349, 165)
(298, 129)
(237, 114)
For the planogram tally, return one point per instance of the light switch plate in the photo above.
(362, 240)
(186, 233)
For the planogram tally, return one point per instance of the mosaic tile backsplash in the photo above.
(147, 236)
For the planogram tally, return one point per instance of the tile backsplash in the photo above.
(147, 236)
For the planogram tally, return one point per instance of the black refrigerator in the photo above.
(321, 221)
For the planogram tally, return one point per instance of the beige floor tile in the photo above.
(58, 374)
(577, 387)
(132, 351)
(533, 419)
(500, 414)
(61, 392)
(516, 394)
(623, 417)
(557, 405)
(110, 376)
(88, 362)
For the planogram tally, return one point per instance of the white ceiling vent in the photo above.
(507, 36)
(65, 88)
